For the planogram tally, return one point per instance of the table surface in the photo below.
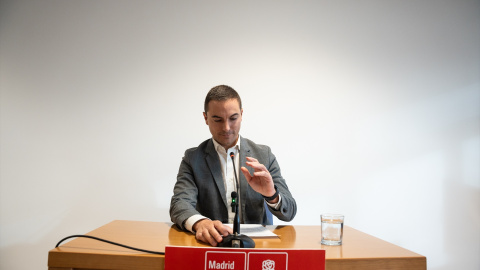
(359, 250)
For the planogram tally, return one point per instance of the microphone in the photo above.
(236, 240)
(236, 220)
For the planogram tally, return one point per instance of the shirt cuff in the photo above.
(275, 206)
(192, 220)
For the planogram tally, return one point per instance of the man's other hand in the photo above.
(261, 181)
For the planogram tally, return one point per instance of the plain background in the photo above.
(371, 107)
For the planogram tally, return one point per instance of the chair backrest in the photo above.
(269, 214)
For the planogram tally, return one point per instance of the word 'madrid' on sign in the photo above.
(200, 258)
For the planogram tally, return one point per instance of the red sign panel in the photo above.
(197, 258)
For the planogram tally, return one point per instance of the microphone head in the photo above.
(234, 194)
(232, 155)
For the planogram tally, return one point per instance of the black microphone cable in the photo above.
(109, 242)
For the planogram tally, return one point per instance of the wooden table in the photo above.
(359, 250)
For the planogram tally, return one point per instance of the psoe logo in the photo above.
(268, 265)
(265, 260)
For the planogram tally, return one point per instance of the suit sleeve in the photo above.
(184, 199)
(288, 207)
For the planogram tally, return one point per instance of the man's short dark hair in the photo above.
(221, 93)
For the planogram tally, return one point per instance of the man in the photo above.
(205, 180)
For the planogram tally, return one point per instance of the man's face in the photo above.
(224, 119)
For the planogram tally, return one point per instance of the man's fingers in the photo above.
(256, 166)
(216, 237)
(222, 229)
(261, 174)
(247, 174)
(217, 230)
(204, 236)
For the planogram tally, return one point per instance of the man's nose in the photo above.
(226, 126)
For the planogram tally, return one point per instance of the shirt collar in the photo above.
(220, 148)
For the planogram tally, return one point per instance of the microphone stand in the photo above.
(236, 240)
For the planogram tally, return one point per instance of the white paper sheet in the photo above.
(254, 230)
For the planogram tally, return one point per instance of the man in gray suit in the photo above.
(205, 180)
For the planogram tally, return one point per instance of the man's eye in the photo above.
(233, 118)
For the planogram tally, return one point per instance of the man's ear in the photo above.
(205, 116)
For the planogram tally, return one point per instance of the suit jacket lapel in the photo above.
(213, 163)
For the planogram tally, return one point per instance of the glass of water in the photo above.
(332, 229)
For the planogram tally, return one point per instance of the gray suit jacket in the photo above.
(200, 187)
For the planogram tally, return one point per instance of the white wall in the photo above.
(372, 108)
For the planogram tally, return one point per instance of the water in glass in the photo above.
(332, 231)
